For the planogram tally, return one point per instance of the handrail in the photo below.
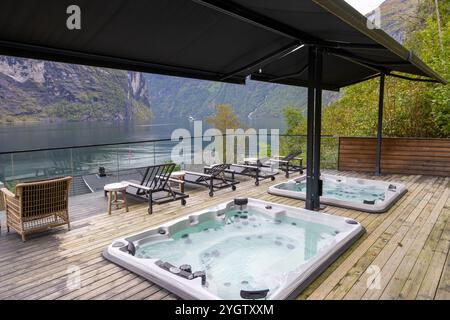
(132, 142)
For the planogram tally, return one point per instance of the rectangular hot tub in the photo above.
(354, 193)
(246, 248)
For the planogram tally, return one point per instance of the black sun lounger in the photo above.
(213, 178)
(154, 186)
(287, 164)
(257, 172)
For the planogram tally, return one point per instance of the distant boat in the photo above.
(250, 115)
(191, 118)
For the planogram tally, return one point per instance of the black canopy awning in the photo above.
(213, 40)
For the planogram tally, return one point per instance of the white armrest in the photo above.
(136, 185)
(198, 174)
(176, 180)
(244, 166)
(275, 160)
(171, 179)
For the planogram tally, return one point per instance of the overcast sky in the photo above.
(364, 6)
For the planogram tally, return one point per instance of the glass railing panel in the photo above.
(117, 162)
(7, 172)
(35, 165)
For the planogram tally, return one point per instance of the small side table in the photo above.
(177, 175)
(111, 190)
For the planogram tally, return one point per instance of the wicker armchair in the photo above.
(37, 206)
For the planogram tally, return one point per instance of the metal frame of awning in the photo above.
(332, 47)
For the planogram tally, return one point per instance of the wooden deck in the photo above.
(409, 245)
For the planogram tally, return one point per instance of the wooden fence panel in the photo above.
(398, 155)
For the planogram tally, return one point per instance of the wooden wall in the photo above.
(399, 155)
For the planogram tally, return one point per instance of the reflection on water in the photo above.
(44, 135)
(87, 160)
(54, 135)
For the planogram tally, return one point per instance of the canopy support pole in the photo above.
(314, 119)
(309, 203)
(317, 192)
(380, 126)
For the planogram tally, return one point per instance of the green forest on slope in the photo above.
(173, 97)
(411, 109)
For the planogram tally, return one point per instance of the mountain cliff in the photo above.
(42, 90)
(183, 98)
(50, 91)
(396, 15)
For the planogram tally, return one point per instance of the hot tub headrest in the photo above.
(186, 267)
(131, 249)
(184, 271)
(200, 274)
(253, 295)
(240, 201)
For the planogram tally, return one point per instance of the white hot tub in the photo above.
(244, 249)
(354, 193)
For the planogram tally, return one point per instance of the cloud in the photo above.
(364, 6)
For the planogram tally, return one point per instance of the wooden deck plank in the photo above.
(419, 268)
(374, 230)
(418, 262)
(144, 293)
(443, 291)
(425, 222)
(392, 251)
(124, 295)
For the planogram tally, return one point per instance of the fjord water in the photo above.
(67, 134)
(78, 161)
(18, 137)
(42, 135)
(248, 250)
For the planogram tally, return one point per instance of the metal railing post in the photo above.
(13, 173)
(71, 162)
(118, 166)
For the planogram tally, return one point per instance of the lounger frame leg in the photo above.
(109, 202)
(150, 203)
(124, 198)
(211, 187)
